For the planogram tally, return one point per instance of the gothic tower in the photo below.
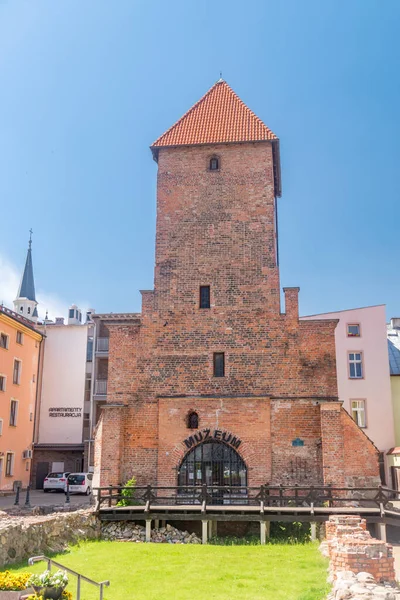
(25, 303)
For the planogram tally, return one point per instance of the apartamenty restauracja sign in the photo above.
(65, 412)
(217, 435)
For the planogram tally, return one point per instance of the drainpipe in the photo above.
(90, 441)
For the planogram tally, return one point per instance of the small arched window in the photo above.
(214, 163)
(29, 310)
(193, 420)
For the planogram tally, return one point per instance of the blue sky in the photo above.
(87, 86)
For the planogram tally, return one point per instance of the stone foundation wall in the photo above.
(22, 537)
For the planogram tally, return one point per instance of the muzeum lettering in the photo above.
(208, 434)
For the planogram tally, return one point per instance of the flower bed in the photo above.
(36, 587)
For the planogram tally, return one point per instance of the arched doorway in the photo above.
(215, 464)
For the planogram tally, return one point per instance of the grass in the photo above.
(195, 572)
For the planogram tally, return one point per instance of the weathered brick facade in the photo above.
(218, 228)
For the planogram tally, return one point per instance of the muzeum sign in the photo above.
(212, 435)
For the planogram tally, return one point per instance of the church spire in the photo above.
(25, 303)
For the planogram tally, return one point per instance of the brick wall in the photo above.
(218, 229)
(69, 458)
(351, 548)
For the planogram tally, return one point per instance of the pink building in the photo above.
(362, 365)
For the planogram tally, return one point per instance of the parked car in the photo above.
(55, 481)
(80, 483)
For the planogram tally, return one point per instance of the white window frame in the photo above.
(7, 340)
(19, 371)
(359, 411)
(3, 389)
(15, 414)
(355, 362)
(11, 474)
(20, 335)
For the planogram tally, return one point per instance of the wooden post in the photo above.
(163, 522)
(263, 533)
(210, 529)
(156, 523)
(204, 530)
(313, 531)
(148, 530)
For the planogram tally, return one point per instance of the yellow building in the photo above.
(19, 362)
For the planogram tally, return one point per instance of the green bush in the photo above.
(128, 498)
(292, 533)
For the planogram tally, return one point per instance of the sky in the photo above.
(86, 87)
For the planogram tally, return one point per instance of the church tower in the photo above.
(26, 304)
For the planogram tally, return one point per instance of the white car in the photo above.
(80, 483)
(55, 481)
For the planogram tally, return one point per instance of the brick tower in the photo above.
(211, 367)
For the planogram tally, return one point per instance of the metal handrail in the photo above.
(80, 577)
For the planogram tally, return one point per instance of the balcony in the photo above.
(102, 346)
(100, 388)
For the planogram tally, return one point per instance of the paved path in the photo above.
(39, 498)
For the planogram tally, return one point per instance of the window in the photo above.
(27, 466)
(20, 337)
(17, 372)
(381, 461)
(1, 427)
(204, 296)
(358, 412)
(9, 464)
(214, 164)
(29, 310)
(13, 413)
(353, 330)
(219, 364)
(3, 341)
(193, 420)
(89, 350)
(2, 383)
(71, 313)
(355, 365)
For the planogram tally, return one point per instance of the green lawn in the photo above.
(181, 572)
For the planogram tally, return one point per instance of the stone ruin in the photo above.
(361, 567)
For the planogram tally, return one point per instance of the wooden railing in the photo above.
(262, 496)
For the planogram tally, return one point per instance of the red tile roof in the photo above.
(218, 117)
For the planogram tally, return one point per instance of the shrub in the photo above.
(128, 494)
(11, 582)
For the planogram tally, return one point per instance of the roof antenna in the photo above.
(220, 77)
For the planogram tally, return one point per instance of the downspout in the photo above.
(38, 398)
(92, 392)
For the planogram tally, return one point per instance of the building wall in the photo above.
(218, 229)
(63, 385)
(374, 388)
(19, 438)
